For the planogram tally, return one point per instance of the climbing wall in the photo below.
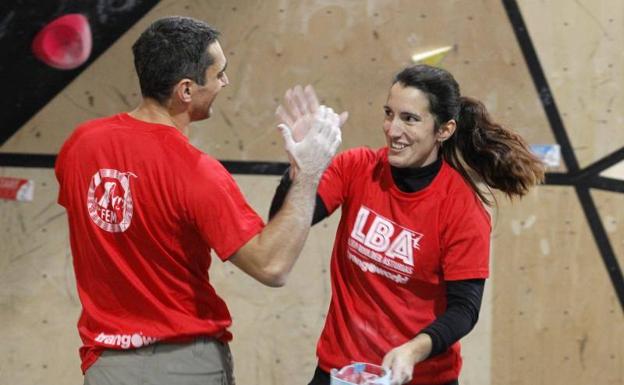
(552, 313)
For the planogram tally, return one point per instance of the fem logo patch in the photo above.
(109, 200)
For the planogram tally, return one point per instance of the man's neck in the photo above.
(153, 112)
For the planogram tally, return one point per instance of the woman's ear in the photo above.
(446, 130)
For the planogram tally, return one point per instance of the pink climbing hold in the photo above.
(64, 43)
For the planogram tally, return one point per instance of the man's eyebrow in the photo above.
(224, 67)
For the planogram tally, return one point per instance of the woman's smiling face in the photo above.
(409, 127)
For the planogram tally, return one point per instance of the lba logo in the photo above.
(384, 236)
(109, 200)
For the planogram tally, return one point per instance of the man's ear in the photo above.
(446, 130)
(183, 90)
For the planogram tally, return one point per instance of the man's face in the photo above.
(216, 79)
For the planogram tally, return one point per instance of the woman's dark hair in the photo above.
(169, 50)
(499, 157)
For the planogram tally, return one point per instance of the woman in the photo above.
(411, 253)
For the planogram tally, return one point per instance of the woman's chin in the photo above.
(396, 161)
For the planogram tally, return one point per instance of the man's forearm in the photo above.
(320, 211)
(270, 255)
(286, 233)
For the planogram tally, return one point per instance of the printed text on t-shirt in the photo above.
(384, 242)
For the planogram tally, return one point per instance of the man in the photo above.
(145, 208)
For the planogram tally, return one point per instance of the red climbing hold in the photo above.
(65, 43)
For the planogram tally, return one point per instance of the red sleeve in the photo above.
(59, 168)
(334, 185)
(465, 237)
(218, 209)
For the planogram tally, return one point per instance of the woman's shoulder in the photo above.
(358, 161)
(453, 181)
(359, 152)
(362, 156)
(455, 189)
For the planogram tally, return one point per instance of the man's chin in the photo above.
(202, 115)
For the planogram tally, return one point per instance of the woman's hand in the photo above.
(402, 359)
(301, 105)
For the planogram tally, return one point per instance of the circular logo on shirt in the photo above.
(109, 200)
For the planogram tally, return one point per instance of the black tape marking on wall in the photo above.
(233, 166)
(581, 179)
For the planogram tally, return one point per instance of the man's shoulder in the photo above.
(209, 165)
(85, 128)
(93, 127)
(95, 123)
(121, 133)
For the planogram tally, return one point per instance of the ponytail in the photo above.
(499, 157)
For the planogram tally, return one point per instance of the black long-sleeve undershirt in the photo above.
(320, 211)
(463, 297)
(463, 300)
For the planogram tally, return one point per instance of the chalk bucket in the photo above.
(360, 373)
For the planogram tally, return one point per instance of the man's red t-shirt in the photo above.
(145, 209)
(392, 254)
